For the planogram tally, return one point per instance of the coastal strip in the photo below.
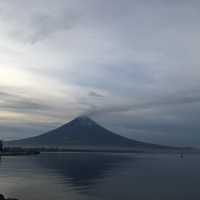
(2, 197)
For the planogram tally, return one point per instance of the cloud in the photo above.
(154, 103)
(95, 94)
(38, 24)
(134, 69)
(43, 26)
(19, 103)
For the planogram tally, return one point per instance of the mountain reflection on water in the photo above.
(57, 175)
(101, 176)
(83, 170)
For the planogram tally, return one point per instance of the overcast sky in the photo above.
(133, 66)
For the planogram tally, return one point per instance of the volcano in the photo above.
(82, 132)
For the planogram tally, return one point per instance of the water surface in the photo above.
(103, 176)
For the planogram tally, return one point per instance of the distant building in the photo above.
(1, 145)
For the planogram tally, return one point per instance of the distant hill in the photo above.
(82, 132)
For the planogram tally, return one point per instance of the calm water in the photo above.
(75, 176)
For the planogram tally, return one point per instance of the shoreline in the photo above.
(2, 197)
(18, 154)
(28, 151)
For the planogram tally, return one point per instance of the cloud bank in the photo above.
(131, 65)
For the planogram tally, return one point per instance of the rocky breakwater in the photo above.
(2, 197)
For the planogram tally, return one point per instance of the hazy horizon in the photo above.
(133, 66)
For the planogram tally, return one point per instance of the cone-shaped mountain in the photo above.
(82, 131)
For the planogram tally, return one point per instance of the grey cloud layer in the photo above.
(19, 103)
(135, 63)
